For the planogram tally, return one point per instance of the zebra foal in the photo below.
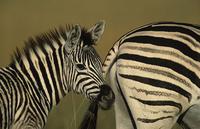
(50, 66)
(154, 72)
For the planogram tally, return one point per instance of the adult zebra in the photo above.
(155, 74)
(50, 66)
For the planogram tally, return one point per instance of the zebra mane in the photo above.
(48, 38)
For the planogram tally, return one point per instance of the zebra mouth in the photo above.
(106, 97)
(105, 100)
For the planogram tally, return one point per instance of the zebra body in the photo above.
(155, 74)
(50, 66)
(20, 102)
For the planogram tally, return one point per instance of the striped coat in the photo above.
(50, 66)
(155, 73)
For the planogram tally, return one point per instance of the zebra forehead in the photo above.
(87, 54)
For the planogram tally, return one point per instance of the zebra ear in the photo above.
(75, 34)
(73, 39)
(96, 31)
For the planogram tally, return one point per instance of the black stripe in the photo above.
(159, 103)
(53, 77)
(126, 104)
(110, 65)
(85, 87)
(61, 55)
(175, 29)
(144, 120)
(112, 49)
(150, 92)
(91, 88)
(176, 23)
(149, 27)
(164, 63)
(55, 62)
(159, 83)
(81, 81)
(165, 43)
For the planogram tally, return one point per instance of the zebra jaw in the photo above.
(106, 97)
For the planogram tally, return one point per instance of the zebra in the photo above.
(51, 65)
(154, 71)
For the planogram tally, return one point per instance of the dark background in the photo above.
(24, 18)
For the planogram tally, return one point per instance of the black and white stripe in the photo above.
(156, 69)
(48, 68)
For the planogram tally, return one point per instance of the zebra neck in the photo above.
(43, 68)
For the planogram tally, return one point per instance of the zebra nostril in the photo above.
(106, 93)
(106, 97)
(105, 90)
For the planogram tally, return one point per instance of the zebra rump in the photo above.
(154, 71)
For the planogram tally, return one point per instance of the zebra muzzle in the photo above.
(106, 97)
(105, 100)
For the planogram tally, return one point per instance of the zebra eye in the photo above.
(80, 66)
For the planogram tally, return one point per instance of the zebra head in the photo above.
(83, 66)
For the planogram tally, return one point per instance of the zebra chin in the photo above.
(106, 97)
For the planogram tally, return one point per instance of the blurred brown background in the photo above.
(24, 18)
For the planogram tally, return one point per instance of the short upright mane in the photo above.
(48, 38)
